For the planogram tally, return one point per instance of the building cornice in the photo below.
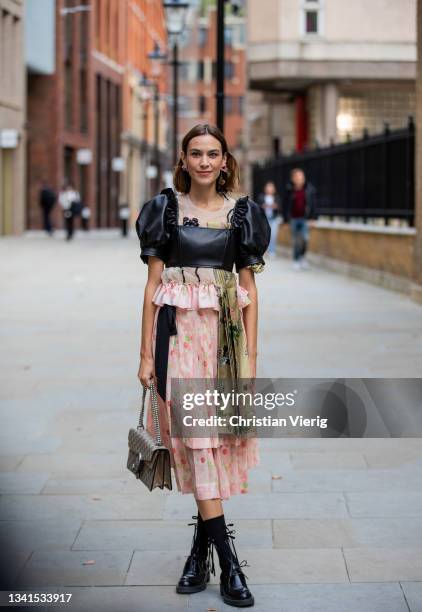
(291, 70)
(324, 50)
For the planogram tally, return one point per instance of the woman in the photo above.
(271, 203)
(199, 322)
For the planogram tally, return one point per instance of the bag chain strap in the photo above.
(154, 404)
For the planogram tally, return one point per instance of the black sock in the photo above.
(216, 529)
(202, 537)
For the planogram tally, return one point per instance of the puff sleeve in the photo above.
(152, 228)
(254, 236)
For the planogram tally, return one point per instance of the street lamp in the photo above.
(175, 11)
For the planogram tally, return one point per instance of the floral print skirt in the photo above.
(207, 468)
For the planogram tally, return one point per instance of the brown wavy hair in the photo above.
(181, 178)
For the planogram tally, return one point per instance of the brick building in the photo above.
(79, 114)
(60, 110)
(145, 28)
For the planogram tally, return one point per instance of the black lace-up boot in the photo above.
(233, 587)
(196, 572)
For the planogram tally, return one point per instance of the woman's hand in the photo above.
(147, 371)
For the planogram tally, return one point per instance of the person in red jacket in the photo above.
(299, 209)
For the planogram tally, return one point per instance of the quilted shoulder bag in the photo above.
(148, 458)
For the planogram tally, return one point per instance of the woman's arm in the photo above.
(250, 315)
(146, 367)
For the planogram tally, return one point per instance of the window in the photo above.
(200, 70)
(228, 36)
(184, 71)
(68, 95)
(83, 181)
(202, 104)
(311, 24)
(311, 17)
(228, 105)
(241, 108)
(202, 36)
(83, 36)
(83, 100)
(68, 34)
(68, 165)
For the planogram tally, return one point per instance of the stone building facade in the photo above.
(322, 69)
(12, 118)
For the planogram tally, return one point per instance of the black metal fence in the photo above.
(373, 177)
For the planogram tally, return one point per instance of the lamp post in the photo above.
(220, 65)
(175, 11)
(236, 6)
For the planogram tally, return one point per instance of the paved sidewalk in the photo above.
(340, 531)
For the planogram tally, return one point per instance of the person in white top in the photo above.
(271, 203)
(70, 201)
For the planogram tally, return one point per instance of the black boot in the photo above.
(196, 572)
(233, 587)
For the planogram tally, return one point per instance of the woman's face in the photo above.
(204, 159)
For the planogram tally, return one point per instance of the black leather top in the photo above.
(242, 244)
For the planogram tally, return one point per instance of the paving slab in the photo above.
(11, 564)
(32, 534)
(383, 564)
(378, 532)
(126, 599)
(328, 460)
(402, 456)
(74, 568)
(53, 507)
(96, 486)
(413, 594)
(298, 481)
(26, 445)
(9, 463)
(15, 482)
(312, 598)
(385, 503)
(78, 464)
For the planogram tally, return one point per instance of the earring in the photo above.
(221, 180)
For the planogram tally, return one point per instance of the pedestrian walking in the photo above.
(70, 201)
(200, 321)
(47, 201)
(271, 203)
(124, 214)
(85, 217)
(299, 211)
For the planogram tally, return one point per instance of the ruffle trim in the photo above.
(172, 209)
(194, 296)
(239, 211)
(171, 212)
